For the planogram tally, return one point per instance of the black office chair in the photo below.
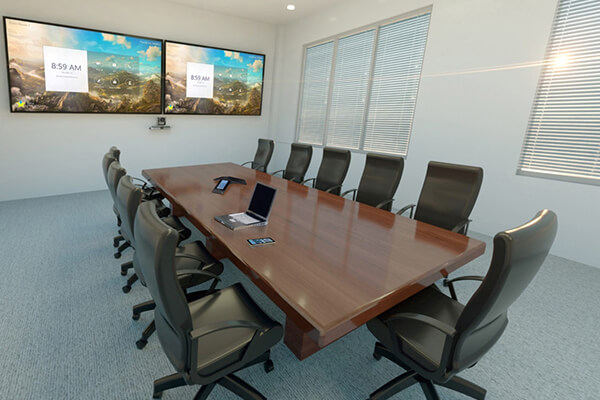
(332, 171)
(114, 175)
(206, 340)
(434, 337)
(448, 196)
(113, 154)
(128, 198)
(297, 163)
(262, 156)
(191, 256)
(379, 181)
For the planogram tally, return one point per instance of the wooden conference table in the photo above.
(336, 263)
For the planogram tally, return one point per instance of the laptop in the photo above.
(258, 210)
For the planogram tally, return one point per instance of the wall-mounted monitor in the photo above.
(55, 68)
(208, 80)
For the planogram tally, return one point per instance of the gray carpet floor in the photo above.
(66, 330)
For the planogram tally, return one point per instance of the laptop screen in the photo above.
(262, 200)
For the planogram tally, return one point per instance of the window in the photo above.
(359, 89)
(563, 136)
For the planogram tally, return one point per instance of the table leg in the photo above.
(177, 211)
(299, 341)
(215, 248)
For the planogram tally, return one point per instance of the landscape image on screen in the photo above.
(205, 80)
(59, 69)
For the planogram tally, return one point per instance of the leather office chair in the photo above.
(379, 181)
(448, 196)
(191, 256)
(332, 171)
(114, 175)
(129, 196)
(298, 163)
(113, 154)
(206, 340)
(434, 337)
(263, 155)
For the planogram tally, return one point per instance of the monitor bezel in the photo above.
(162, 71)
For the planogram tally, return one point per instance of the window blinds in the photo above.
(563, 136)
(349, 92)
(315, 87)
(370, 101)
(396, 77)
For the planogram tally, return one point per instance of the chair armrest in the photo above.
(464, 224)
(384, 203)
(329, 190)
(216, 327)
(296, 179)
(308, 180)
(449, 283)
(278, 171)
(353, 191)
(222, 325)
(202, 265)
(434, 323)
(254, 165)
(408, 207)
(144, 183)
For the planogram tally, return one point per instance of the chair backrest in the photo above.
(380, 179)
(298, 162)
(333, 169)
(264, 151)
(112, 155)
(129, 197)
(448, 194)
(114, 175)
(518, 255)
(156, 244)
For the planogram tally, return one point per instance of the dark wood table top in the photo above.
(336, 263)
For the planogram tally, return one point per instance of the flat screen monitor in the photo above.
(55, 68)
(208, 80)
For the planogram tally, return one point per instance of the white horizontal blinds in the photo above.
(396, 76)
(563, 135)
(315, 88)
(349, 92)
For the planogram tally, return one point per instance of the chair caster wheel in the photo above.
(269, 366)
(135, 317)
(157, 395)
(126, 288)
(115, 243)
(123, 273)
(376, 356)
(141, 343)
(117, 255)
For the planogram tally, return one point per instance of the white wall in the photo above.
(48, 154)
(473, 107)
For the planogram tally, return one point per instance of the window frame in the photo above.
(335, 39)
(546, 73)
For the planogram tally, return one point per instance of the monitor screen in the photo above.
(208, 80)
(55, 68)
(262, 200)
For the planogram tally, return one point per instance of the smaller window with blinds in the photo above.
(359, 89)
(563, 135)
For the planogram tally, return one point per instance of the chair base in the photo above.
(229, 382)
(132, 279)
(126, 266)
(411, 377)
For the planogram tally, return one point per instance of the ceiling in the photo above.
(269, 11)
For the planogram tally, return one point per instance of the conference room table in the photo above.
(335, 263)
